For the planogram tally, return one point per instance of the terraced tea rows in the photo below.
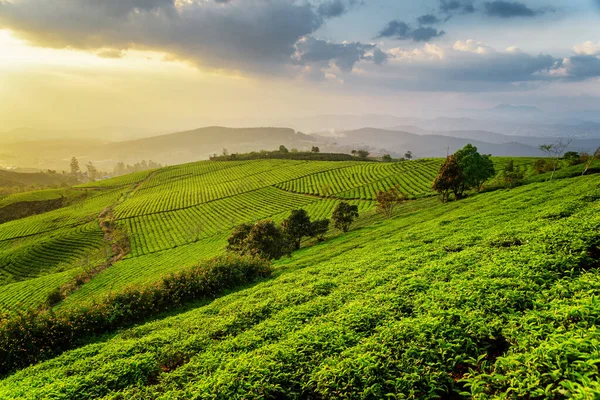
(27, 258)
(32, 292)
(362, 180)
(175, 188)
(194, 207)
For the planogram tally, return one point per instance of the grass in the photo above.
(492, 296)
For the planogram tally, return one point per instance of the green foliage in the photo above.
(315, 149)
(466, 169)
(448, 179)
(296, 227)
(30, 336)
(513, 176)
(495, 296)
(283, 149)
(319, 228)
(344, 215)
(388, 200)
(386, 158)
(264, 239)
(475, 168)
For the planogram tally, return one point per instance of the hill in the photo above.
(490, 295)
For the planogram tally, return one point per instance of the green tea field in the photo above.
(492, 296)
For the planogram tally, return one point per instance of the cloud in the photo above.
(256, 36)
(587, 48)
(457, 6)
(428, 19)
(335, 8)
(402, 31)
(473, 46)
(509, 9)
(343, 55)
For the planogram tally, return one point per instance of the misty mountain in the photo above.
(430, 145)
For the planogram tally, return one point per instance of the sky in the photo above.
(174, 64)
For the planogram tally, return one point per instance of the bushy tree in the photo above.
(513, 176)
(386, 158)
(315, 149)
(344, 215)
(319, 228)
(237, 241)
(475, 168)
(448, 179)
(263, 239)
(283, 149)
(388, 200)
(408, 155)
(296, 227)
(92, 171)
(362, 154)
(465, 169)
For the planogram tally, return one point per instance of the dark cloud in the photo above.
(508, 9)
(428, 19)
(457, 6)
(581, 67)
(335, 8)
(343, 55)
(250, 35)
(402, 31)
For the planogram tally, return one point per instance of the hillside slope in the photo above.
(493, 295)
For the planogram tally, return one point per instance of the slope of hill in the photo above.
(492, 295)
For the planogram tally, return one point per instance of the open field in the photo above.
(490, 295)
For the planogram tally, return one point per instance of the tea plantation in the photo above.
(493, 296)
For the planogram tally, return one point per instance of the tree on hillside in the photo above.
(263, 239)
(555, 151)
(408, 155)
(589, 159)
(386, 158)
(465, 169)
(75, 170)
(344, 215)
(513, 176)
(319, 228)
(388, 200)
(448, 179)
(315, 149)
(475, 168)
(283, 149)
(92, 171)
(296, 227)
(362, 154)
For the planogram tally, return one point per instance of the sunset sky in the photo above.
(161, 64)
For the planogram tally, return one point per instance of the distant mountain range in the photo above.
(198, 144)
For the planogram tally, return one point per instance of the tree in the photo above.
(344, 215)
(283, 149)
(386, 158)
(513, 176)
(388, 200)
(75, 167)
(362, 154)
(296, 227)
(475, 168)
(540, 166)
(263, 239)
(315, 149)
(319, 228)
(448, 179)
(589, 159)
(572, 157)
(408, 155)
(92, 171)
(555, 151)
(225, 152)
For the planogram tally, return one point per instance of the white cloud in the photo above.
(588, 48)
